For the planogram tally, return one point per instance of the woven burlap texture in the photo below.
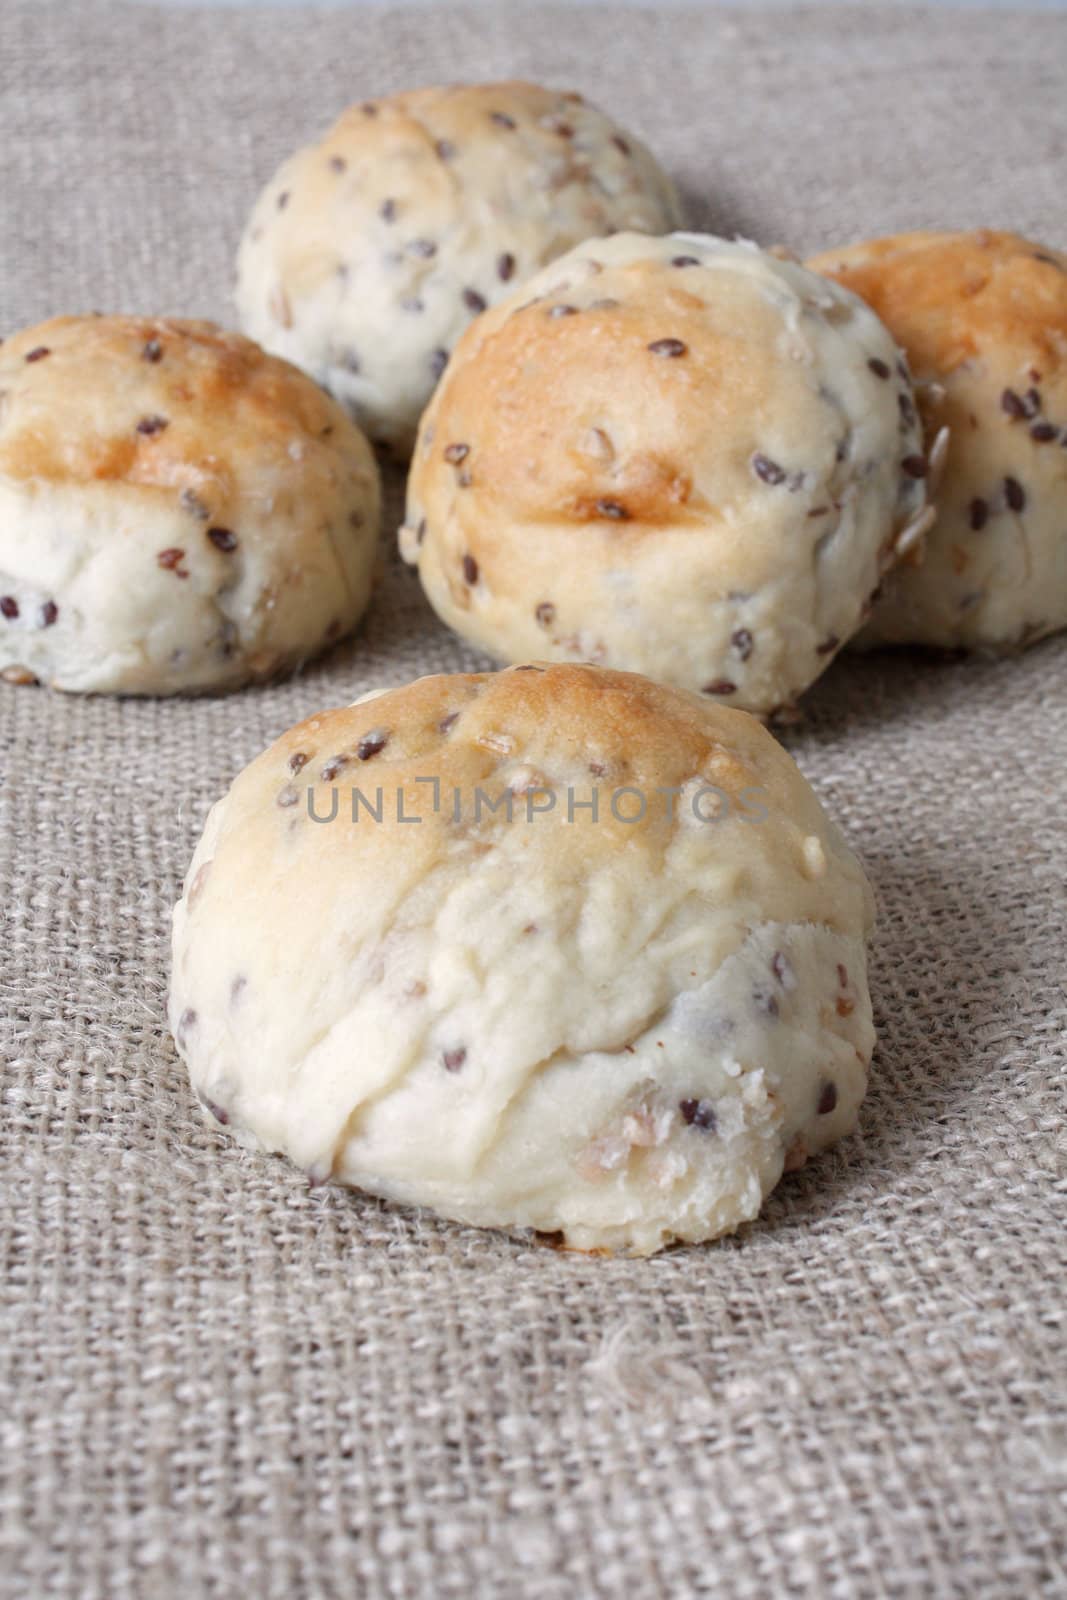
(220, 1383)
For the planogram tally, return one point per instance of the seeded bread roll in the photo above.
(983, 317)
(368, 253)
(619, 1025)
(178, 510)
(680, 456)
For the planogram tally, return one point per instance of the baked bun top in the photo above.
(178, 509)
(371, 250)
(949, 297)
(163, 404)
(653, 425)
(983, 318)
(542, 728)
(411, 955)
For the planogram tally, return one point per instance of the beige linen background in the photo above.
(219, 1383)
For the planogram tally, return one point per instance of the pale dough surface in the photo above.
(619, 1030)
(369, 251)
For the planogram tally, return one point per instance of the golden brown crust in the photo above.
(179, 511)
(672, 455)
(951, 296)
(145, 400)
(591, 360)
(580, 726)
(983, 319)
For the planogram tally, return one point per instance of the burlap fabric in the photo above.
(220, 1383)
